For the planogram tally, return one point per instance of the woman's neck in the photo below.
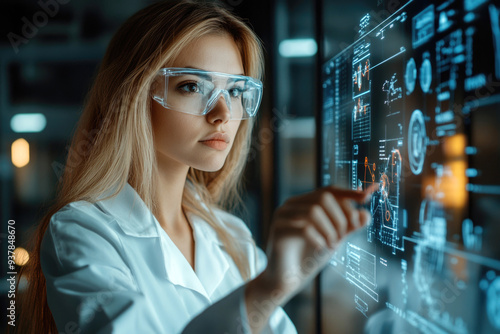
(170, 189)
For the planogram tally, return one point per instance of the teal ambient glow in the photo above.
(22, 123)
(302, 47)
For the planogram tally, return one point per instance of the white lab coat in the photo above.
(111, 268)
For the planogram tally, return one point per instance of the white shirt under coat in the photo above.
(111, 268)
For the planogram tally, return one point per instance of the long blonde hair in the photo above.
(113, 143)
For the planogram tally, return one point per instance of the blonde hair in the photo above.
(116, 123)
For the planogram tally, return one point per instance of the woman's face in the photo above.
(180, 138)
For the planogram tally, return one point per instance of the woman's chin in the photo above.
(209, 167)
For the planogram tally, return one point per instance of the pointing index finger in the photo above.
(355, 195)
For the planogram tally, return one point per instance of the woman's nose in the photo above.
(220, 112)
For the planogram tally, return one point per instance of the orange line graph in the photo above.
(359, 108)
(361, 73)
(371, 170)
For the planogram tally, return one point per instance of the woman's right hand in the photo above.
(304, 234)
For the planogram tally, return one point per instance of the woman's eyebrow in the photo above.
(201, 69)
(195, 68)
(201, 75)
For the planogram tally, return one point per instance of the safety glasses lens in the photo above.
(197, 92)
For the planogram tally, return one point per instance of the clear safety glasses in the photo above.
(196, 92)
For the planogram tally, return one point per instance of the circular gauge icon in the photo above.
(426, 75)
(410, 76)
(417, 142)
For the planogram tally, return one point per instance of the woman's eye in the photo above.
(190, 88)
(235, 92)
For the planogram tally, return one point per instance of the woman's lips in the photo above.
(217, 140)
(216, 144)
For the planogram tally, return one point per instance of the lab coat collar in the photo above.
(136, 220)
(133, 216)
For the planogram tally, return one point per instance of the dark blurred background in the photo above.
(48, 59)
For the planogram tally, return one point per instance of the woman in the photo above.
(138, 241)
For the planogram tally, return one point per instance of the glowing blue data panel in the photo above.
(412, 105)
(423, 26)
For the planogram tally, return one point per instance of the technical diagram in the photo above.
(361, 88)
(385, 225)
(361, 120)
(392, 89)
(361, 70)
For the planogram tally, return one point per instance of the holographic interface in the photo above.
(414, 105)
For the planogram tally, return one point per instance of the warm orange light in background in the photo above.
(21, 256)
(450, 187)
(454, 185)
(20, 152)
(454, 146)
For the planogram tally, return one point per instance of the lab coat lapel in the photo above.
(177, 268)
(211, 262)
